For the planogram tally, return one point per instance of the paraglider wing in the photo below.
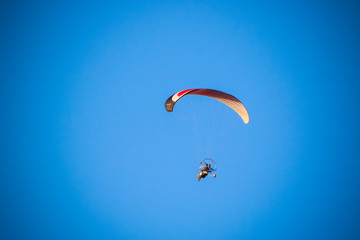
(225, 98)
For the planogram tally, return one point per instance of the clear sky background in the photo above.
(89, 152)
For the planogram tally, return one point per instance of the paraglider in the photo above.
(208, 166)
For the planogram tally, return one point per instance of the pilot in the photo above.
(204, 171)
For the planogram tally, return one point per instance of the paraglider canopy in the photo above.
(225, 98)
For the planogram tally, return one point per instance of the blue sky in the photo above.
(89, 152)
